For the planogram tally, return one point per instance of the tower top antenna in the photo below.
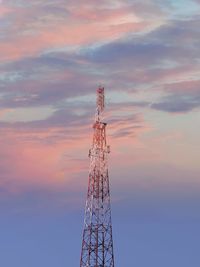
(100, 103)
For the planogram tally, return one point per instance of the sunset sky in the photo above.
(53, 56)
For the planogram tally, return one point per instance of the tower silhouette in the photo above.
(97, 243)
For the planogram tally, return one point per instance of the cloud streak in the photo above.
(146, 56)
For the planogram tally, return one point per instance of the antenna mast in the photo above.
(97, 243)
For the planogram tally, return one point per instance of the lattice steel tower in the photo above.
(97, 244)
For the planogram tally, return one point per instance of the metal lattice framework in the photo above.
(97, 244)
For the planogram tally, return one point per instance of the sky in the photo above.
(53, 56)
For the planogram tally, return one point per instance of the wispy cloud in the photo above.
(54, 54)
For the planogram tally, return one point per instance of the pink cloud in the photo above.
(83, 27)
(56, 157)
(188, 86)
(29, 162)
(4, 10)
(122, 14)
(64, 36)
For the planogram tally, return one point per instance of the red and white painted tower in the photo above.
(97, 243)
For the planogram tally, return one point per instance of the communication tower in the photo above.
(97, 243)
